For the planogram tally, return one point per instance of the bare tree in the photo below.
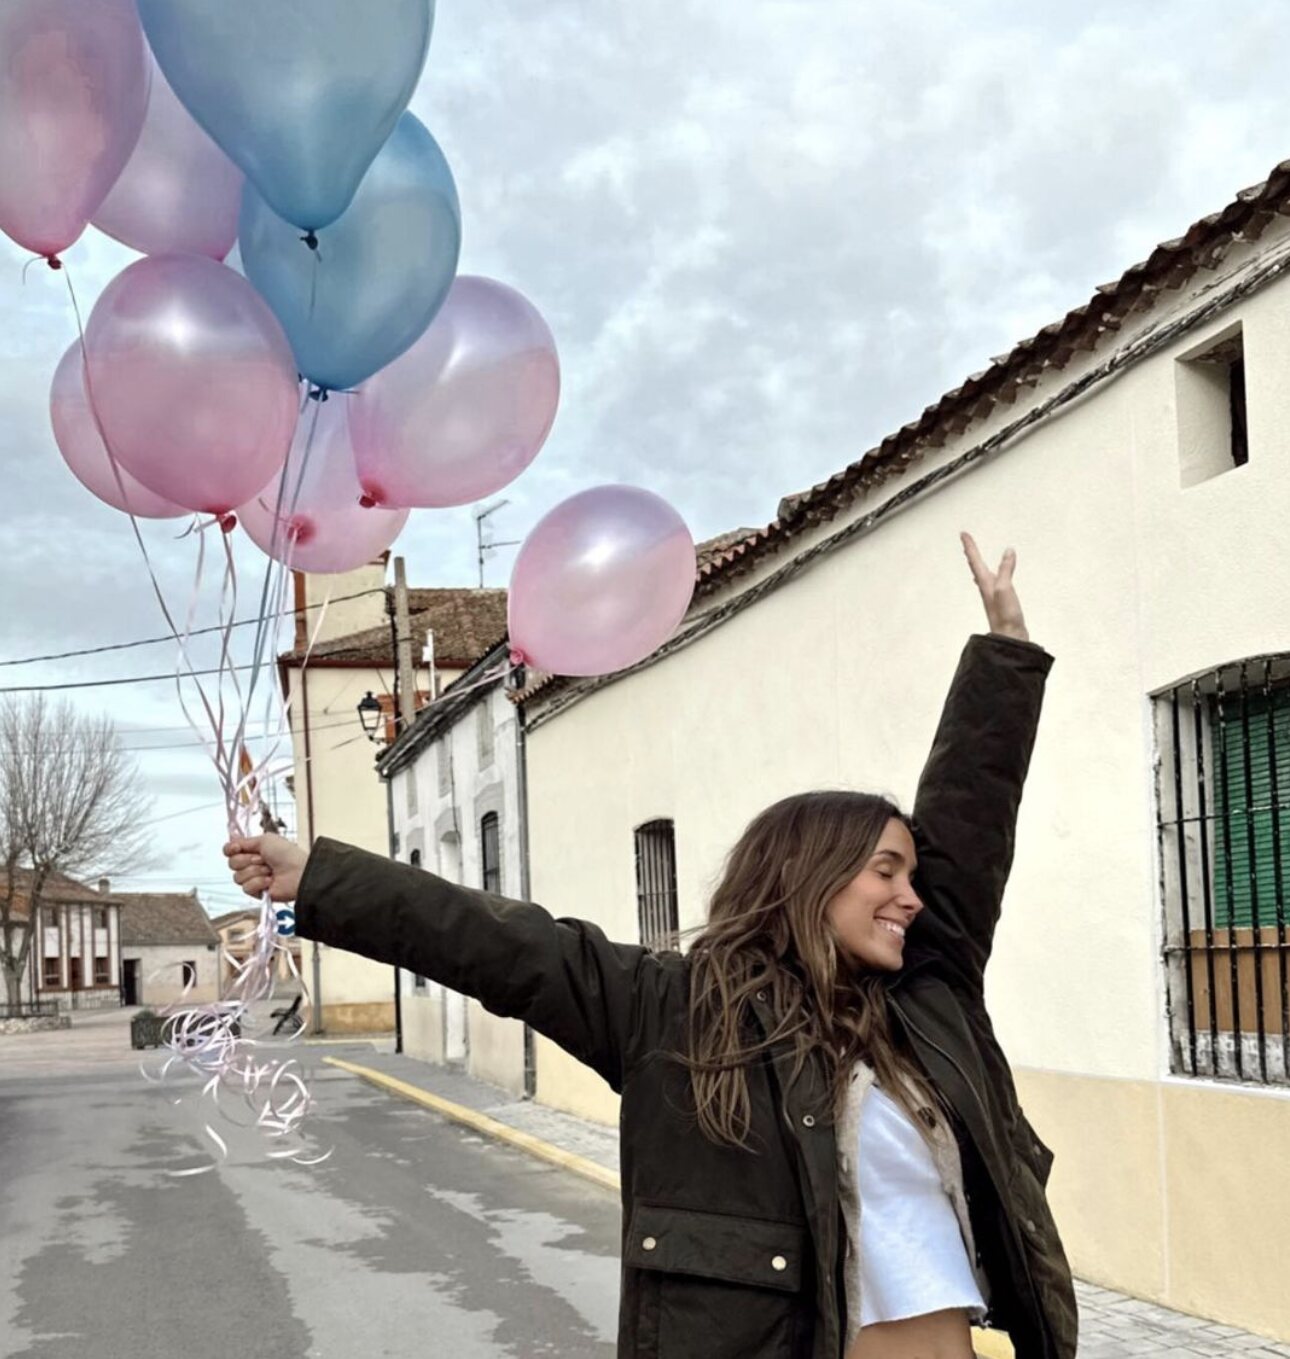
(71, 802)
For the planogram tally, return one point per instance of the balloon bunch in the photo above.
(347, 374)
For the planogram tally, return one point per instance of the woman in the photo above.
(822, 1150)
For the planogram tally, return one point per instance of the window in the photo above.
(484, 733)
(102, 977)
(410, 779)
(490, 852)
(1224, 833)
(101, 917)
(53, 972)
(443, 755)
(418, 981)
(656, 885)
(188, 974)
(1213, 435)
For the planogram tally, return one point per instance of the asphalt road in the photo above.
(417, 1237)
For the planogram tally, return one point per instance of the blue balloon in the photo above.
(301, 96)
(377, 276)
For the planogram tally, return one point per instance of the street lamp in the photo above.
(369, 714)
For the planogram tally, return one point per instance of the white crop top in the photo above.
(912, 1256)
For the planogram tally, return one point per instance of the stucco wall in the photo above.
(1134, 582)
(440, 815)
(161, 978)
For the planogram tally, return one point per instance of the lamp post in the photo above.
(369, 714)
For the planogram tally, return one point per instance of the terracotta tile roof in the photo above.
(231, 917)
(708, 554)
(59, 890)
(465, 622)
(1169, 266)
(164, 918)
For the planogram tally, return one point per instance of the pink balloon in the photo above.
(193, 381)
(73, 89)
(466, 409)
(77, 434)
(178, 191)
(601, 582)
(323, 528)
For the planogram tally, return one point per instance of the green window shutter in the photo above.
(1234, 811)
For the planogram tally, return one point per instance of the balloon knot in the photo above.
(310, 238)
(53, 261)
(227, 522)
(366, 501)
(518, 657)
(318, 394)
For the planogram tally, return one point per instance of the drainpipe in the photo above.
(522, 806)
(309, 812)
(398, 974)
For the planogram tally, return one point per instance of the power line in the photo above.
(169, 637)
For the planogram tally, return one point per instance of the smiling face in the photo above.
(870, 915)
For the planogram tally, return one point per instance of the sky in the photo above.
(765, 233)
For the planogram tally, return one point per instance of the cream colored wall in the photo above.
(348, 804)
(837, 678)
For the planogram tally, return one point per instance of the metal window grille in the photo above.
(490, 844)
(1223, 794)
(656, 898)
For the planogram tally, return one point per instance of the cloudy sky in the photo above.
(764, 233)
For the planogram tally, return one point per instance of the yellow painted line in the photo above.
(988, 1344)
(992, 1345)
(491, 1127)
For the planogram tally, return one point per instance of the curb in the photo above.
(491, 1127)
(987, 1344)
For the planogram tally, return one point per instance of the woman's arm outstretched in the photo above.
(564, 977)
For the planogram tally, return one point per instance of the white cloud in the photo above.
(764, 232)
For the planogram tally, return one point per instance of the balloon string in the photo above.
(202, 1037)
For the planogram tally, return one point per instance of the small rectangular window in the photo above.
(52, 974)
(410, 778)
(484, 734)
(490, 844)
(656, 885)
(102, 977)
(188, 973)
(443, 755)
(1213, 433)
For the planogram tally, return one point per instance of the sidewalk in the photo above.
(1112, 1326)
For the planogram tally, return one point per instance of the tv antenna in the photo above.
(483, 535)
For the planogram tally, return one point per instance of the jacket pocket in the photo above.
(716, 1286)
(1033, 1151)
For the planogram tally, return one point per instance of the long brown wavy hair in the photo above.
(768, 930)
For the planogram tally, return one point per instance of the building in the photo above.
(75, 953)
(458, 801)
(235, 930)
(1136, 454)
(456, 797)
(345, 649)
(167, 941)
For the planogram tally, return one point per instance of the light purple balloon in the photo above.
(73, 89)
(601, 582)
(77, 434)
(327, 530)
(465, 410)
(178, 191)
(193, 381)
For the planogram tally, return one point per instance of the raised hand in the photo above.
(1002, 607)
